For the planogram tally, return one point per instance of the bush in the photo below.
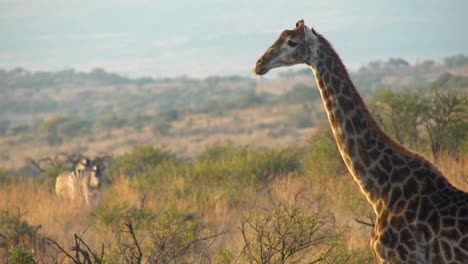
(73, 127)
(220, 164)
(230, 170)
(323, 158)
(341, 253)
(141, 160)
(176, 239)
(168, 237)
(117, 214)
(287, 235)
(224, 256)
(19, 236)
(5, 176)
(160, 126)
(456, 61)
(49, 128)
(49, 176)
(17, 255)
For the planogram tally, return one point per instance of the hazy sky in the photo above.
(215, 37)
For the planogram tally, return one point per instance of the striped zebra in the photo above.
(80, 185)
(82, 165)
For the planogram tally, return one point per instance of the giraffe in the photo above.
(420, 216)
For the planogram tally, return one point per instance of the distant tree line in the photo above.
(22, 78)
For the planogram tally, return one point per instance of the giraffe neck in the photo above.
(360, 141)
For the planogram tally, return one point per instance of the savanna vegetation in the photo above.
(217, 170)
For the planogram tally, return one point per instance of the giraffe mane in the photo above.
(373, 123)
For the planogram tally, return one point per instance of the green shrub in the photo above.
(175, 237)
(48, 177)
(160, 126)
(288, 235)
(221, 164)
(21, 237)
(49, 130)
(166, 237)
(73, 127)
(323, 158)
(224, 256)
(17, 255)
(15, 230)
(141, 160)
(5, 176)
(340, 253)
(116, 214)
(456, 61)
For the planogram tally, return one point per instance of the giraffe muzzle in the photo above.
(259, 68)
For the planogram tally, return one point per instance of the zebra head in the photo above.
(82, 165)
(95, 179)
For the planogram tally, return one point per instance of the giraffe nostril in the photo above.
(259, 61)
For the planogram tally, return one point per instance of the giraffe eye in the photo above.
(292, 44)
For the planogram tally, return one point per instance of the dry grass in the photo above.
(339, 195)
(60, 220)
(40, 207)
(456, 171)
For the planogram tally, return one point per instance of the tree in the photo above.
(50, 129)
(395, 63)
(399, 114)
(445, 119)
(456, 61)
(73, 127)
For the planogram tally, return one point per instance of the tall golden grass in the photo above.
(336, 194)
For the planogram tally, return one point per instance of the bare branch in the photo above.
(62, 250)
(139, 256)
(364, 222)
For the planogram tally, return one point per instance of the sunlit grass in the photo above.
(219, 187)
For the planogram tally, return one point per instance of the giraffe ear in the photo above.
(300, 23)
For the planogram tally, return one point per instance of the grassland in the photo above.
(206, 171)
(219, 193)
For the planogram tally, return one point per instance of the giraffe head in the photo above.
(292, 47)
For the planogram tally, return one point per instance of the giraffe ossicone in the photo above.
(420, 216)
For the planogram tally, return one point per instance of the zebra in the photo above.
(80, 185)
(82, 165)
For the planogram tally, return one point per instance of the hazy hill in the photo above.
(100, 111)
